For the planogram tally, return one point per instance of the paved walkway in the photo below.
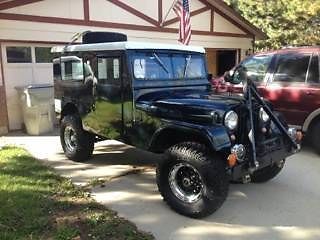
(287, 207)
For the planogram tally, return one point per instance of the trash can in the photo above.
(37, 104)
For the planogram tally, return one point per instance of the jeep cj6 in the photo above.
(157, 97)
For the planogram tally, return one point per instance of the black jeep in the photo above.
(157, 97)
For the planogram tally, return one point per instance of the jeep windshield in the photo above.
(168, 66)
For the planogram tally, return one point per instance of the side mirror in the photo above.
(209, 77)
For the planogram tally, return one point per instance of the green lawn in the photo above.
(35, 203)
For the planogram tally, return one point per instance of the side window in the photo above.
(109, 70)
(291, 68)
(256, 66)
(43, 55)
(313, 73)
(56, 71)
(18, 54)
(71, 68)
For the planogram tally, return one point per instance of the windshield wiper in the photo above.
(160, 62)
(187, 65)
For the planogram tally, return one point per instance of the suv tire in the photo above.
(267, 173)
(315, 136)
(77, 144)
(192, 181)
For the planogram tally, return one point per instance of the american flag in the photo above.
(181, 8)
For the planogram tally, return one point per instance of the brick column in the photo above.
(3, 112)
(3, 103)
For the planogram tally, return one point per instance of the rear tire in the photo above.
(192, 181)
(315, 136)
(77, 144)
(267, 173)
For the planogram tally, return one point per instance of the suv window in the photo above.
(313, 73)
(256, 66)
(291, 68)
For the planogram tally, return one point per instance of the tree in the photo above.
(286, 22)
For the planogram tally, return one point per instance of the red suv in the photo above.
(289, 79)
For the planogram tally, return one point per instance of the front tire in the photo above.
(77, 144)
(267, 173)
(192, 181)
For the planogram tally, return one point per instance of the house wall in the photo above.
(47, 23)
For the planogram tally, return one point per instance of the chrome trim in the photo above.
(240, 151)
(176, 187)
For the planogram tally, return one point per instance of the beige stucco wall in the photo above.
(52, 8)
(30, 31)
(101, 10)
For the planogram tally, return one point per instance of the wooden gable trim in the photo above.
(134, 12)
(86, 10)
(160, 17)
(226, 17)
(16, 3)
(91, 23)
(212, 20)
(233, 21)
(193, 13)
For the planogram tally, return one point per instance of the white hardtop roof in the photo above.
(125, 46)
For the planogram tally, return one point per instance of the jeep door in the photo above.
(288, 89)
(105, 118)
(69, 84)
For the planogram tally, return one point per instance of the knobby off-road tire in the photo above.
(192, 181)
(77, 144)
(267, 173)
(315, 136)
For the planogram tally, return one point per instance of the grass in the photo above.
(36, 203)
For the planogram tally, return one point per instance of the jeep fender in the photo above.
(215, 137)
(69, 108)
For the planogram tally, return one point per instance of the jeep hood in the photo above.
(187, 104)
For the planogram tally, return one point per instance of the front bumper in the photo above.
(269, 152)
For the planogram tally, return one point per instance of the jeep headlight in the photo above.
(263, 115)
(231, 120)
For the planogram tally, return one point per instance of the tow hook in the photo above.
(246, 179)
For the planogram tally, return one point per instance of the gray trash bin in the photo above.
(37, 102)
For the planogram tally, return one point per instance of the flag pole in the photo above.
(166, 16)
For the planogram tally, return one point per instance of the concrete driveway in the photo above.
(287, 207)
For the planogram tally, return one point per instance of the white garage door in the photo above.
(24, 64)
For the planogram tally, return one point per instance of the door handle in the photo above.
(309, 93)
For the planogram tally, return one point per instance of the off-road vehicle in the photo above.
(158, 97)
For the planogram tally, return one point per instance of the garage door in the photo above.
(23, 64)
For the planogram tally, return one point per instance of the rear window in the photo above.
(292, 68)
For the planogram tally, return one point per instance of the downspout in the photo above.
(254, 44)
